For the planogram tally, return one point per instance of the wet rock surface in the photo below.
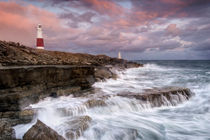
(18, 117)
(6, 130)
(72, 111)
(20, 87)
(131, 134)
(28, 75)
(161, 96)
(40, 131)
(76, 126)
(102, 73)
(95, 103)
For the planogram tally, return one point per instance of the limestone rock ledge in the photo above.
(28, 75)
(168, 96)
(21, 86)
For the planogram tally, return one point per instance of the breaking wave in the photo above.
(120, 118)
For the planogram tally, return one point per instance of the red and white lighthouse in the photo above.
(39, 39)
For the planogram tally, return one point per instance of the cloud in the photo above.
(104, 7)
(75, 19)
(18, 24)
(106, 26)
(173, 30)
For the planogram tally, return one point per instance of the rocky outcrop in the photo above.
(161, 96)
(21, 86)
(40, 131)
(16, 54)
(76, 126)
(6, 131)
(28, 75)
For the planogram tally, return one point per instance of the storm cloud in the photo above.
(137, 28)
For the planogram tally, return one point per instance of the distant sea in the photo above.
(124, 119)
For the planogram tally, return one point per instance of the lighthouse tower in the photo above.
(119, 55)
(39, 39)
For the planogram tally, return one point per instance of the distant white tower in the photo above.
(119, 55)
(39, 39)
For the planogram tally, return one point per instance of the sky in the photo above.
(139, 29)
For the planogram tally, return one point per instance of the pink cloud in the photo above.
(172, 29)
(18, 24)
(105, 7)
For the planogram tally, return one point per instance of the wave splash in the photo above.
(122, 118)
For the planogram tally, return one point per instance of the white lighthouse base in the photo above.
(40, 47)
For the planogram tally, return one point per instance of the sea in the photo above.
(127, 119)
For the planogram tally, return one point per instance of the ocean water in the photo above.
(127, 119)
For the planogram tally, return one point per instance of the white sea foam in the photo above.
(128, 119)
(208, 72)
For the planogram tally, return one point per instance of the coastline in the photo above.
(28, 75)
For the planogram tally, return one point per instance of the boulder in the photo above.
(40, 131)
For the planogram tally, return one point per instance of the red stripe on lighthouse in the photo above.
(39, 42)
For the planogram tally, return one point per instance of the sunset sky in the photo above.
(140, 29)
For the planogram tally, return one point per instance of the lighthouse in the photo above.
(39, 39)
(119, 55)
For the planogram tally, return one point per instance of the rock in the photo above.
(6, 131)
(28, 75)
(95, 102)
(82, 108)
(15, 54)
(102, 73)
(133, 65)
(158, 97)
(18, 117)
(22, 86)
(40, 131)
(77, 125)
(26, 116)
(130, 134)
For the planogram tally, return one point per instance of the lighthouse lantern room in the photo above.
(39, 39)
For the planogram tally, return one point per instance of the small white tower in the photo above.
(39, 39)
(119, 55)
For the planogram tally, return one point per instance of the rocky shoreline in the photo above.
(29, 75)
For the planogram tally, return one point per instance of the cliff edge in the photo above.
(28, 75)
(15, 54)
